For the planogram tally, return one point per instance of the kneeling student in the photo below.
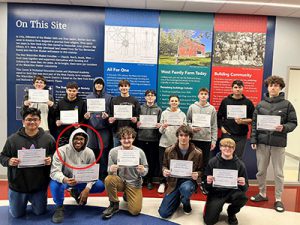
(218, 196)
(123, 178)
(180, 189)
(75, 154)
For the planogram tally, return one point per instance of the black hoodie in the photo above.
(33, 179)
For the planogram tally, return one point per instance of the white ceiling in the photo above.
(288, 8)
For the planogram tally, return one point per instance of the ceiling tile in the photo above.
(201, 6)
(101, 3)
(62, 2)
(273, 10)
(175, 5)
(239, 9)
(128, 3)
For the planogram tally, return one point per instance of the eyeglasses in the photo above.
(32, 120)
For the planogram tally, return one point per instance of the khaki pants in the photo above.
(114, 183)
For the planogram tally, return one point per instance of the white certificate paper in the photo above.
(267, 122)
(86, 175)
(201, 120)
(181, 168)
(95, 104)
(225, 178)
(174, 119)
(128, 158)
(69, 116)
(237, 111)
(35, 95)
(123, 112)
(31, 157)
(148, 121)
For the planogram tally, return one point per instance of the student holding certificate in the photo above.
(128, 110)
(127, 179)
(205, 136)
(271, 143)
(148, 134)
(99, 120)
(28, 184)
(171, 119)
(226, 182)
(46, 107)
(75, 154)
(234, 115)
(182, 186)
(69, 110)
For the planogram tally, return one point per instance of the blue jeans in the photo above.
(18, 202)
(58, 190)
(116, 141)
(171, 202)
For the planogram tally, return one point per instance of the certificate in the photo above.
(86, 175)
(95, 104)
(201, 120)
(69, 116)
(225, 178)
(35, 95)
(174, 119)
(31, 157)
(236, 111)
(267, 122)
(181, 168)
(128, 158)
(148, 121)
(123, 112)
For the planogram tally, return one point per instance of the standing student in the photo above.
(47, 108)
(99, 121)
(27, 184)
(124, 99)
(171, 119)
(204, 138)
(219, 195)
(148, 137)
(71, 101)
(270, 144)
(235, 128)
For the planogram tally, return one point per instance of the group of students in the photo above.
(173, 137)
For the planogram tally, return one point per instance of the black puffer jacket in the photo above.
(274, 106)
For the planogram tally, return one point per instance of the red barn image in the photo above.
(189, 48)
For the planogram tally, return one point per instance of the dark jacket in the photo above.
(229, 124)
(33, 179)
(173, 152)
(149, 134)
(218, 162)
(274, 106)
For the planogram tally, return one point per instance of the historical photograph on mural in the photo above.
(245, 49)
(185, 47)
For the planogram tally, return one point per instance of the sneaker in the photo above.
(258, 198)
(161, 188)
(278, 206)
(232, 220)
(110, 210)
(187, 209)
(75, 194)
(58, 215)
(149, 186)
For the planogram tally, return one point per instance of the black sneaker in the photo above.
(75, 194)
(232, 220)
(110, 210)
(187, 209)
(58, 215)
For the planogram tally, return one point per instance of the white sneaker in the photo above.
(161, 188)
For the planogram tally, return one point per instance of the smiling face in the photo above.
(98, 87)
(124, 90)
(39, 84)
(78, 142)
(174, 103)
(72, 93)
(31, 123)
(127, 141)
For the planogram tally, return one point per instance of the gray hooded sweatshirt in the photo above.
(72, 157)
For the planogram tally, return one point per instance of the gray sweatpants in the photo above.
(263, 155)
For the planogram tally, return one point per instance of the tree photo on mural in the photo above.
(245, 49)
(185, 47)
